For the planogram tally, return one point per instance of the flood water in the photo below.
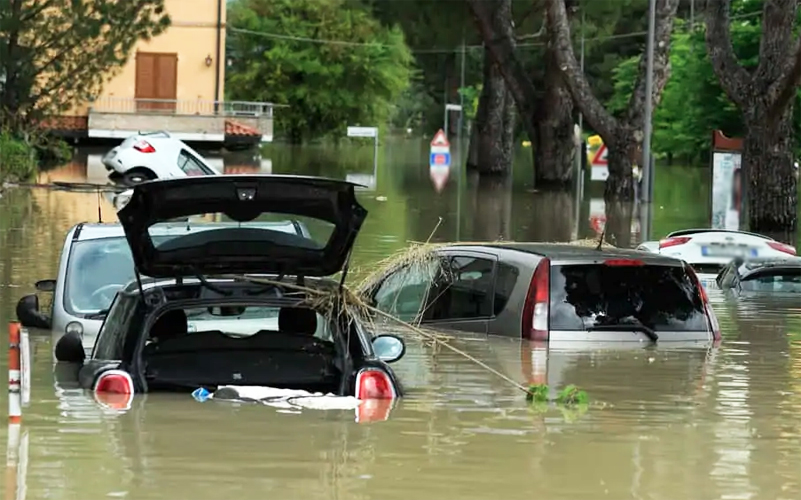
(667, 423)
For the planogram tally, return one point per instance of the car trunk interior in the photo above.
(288, 356)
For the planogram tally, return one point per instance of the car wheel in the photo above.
(138, 176)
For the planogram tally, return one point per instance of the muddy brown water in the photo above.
(666, 423)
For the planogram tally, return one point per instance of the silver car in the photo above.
(95, 263)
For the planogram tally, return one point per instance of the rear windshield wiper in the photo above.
(639, 327)
(98, 315)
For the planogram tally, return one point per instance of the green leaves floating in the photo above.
(571, 401)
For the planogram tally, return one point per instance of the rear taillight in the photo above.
(114, 382)
(710, 313)
(144, 147)
(374, 384)
(535, 310)
(781, 247)
(672, 242)
(623, 262)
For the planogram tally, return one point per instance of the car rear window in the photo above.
(663, 298)
(774, 280)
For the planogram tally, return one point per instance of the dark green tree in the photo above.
(281, 56)
(56, 53)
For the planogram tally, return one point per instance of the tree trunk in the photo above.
(765, 97)
(554, 147)
(619, 216)
(622, 148)
(771, 184)
(494, 123)
(619, 135)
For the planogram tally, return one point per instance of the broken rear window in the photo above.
(663, 298)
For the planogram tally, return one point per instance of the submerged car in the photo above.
(299, 339)
(548, 292)
(155, 155)
(776, 275)
(709, 250)
(95, 263)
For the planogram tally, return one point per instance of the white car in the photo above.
(709, 250)
(155, 155)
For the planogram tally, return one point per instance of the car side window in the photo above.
(403, 293)
(190, 165)
(464, 291)
(111, 338)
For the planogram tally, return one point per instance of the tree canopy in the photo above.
(54, 53)
(329, 61)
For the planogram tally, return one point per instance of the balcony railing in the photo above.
(127, 105)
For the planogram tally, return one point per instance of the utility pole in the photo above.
(646, 164)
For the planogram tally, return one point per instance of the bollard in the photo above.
(14, 374)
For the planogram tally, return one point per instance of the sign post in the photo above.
(440, 159)
(368, 132)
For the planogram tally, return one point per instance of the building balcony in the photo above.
(189, 120)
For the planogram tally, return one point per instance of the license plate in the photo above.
(727, 251)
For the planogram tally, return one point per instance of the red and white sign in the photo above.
(598, 166)
(441, 140)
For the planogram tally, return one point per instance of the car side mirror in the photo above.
(389, 348)
(29, 315)
(46, 285)
(69, 348)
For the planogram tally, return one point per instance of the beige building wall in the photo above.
(192, 36)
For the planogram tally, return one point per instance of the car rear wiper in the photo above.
(98, 315)
(649, 332)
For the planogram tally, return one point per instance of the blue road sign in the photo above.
(440, 159)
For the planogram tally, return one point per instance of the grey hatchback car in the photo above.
(549, 292)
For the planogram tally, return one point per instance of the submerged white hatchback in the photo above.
(709, 250)
(156, 155)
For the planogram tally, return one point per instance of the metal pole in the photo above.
(461, 94)
(375, 159)
(581, 151)
(460, 164)
(649, 86)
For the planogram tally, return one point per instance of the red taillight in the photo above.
(374, 384)
(623, 262)
(710, 313)
(672, 242)
(144, 147)
(781, 247)
(535, 310)
(115, 382)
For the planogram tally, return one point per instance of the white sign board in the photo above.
(599, 169)
(726, 190)
(362, 131)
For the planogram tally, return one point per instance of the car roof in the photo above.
(685, 232)
(567, 252)
(758, 264)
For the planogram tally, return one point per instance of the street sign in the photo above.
(440, 155)
(599, 170)
(600, 156)
(362, 131)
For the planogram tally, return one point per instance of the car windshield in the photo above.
(97, 268)
(775, 280)
(662, 298)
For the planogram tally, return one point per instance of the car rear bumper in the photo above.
(113, 162)
(583, 337)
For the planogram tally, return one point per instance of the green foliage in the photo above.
(327, 86)
(572, 396)
(471, 95)
(18, 159)
(537, 394)
(55, 53)
(693, 103)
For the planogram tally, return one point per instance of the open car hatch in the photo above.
(240, 247)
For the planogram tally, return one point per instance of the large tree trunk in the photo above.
(765, 97)
(493, 153)
(618, 134)
(771, 190)
(554, 146)
(619, 216)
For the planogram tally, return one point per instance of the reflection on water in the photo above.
(694, 421)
